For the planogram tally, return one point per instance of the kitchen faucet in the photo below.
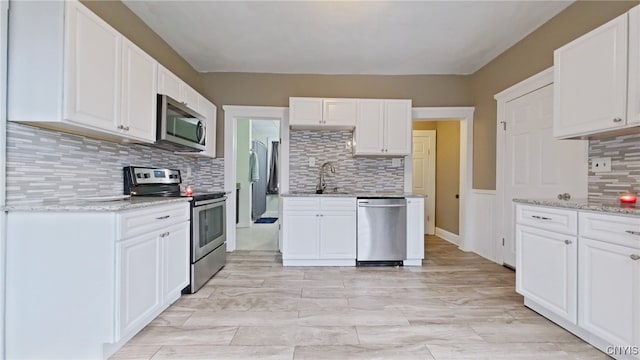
(321, 184)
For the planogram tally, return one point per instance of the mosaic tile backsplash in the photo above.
(45, 165)
(624, 152)
(362, 174)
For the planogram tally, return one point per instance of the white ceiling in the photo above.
(343, 37)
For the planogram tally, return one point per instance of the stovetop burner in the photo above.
(143, 181)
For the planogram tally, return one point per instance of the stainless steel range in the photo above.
(208, 218)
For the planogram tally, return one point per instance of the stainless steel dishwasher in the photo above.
(382, 231)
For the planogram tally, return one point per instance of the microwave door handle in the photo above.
(200, 132)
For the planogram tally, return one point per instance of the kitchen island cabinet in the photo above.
(80, 284)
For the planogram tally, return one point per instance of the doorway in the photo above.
(424, 172)
(232, 114)
(257, 194)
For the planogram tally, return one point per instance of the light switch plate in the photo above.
(312, 161)
(395, 162)
(602, 164)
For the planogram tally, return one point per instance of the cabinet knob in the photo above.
(634, 257)
(121, 127)
(126, 128)
(568, 242)
(617, 120)
(565, 196)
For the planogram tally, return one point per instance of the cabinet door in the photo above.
(590, 75)
(92, 70)
(300, 235)
(175, 243)
(547, 270)
(305, 111)
(415, 228)
(139, 84)
(397, 127)
(338, 235)
(610, 291)
(339, 112)
(169, 84)
(369, 131)
(191, 98)
(210, 111)
(139, 280)
(633, 95)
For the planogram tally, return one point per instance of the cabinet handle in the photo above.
(120, 127)
(633, 232)
(163, 217)
(540, 217)
(634, 257)
(167, 233)
(126, 128)
(321, 215)
(617, 120)
(568, 242)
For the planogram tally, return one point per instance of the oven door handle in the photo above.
(207, 202)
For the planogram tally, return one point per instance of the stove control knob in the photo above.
(146, 175)
(139, 176)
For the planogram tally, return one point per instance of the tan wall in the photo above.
(133, 28)
(275, 90)
(531, 55)
(447, 171)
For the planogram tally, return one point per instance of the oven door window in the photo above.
(211, 223)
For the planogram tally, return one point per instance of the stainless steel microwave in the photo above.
(179, 128)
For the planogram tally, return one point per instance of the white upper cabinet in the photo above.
(92, 73)
(169, 84)
(139, 83)
(633, 98)
(383, 127)
(172, 85)
(322, 113)
(590, 81)
(69, 70)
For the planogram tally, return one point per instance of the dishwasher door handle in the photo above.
(382, 206)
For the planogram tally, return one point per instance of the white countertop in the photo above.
(355, 194)
(99, 206)
(585, 204)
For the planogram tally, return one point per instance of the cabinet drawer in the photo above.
(136, 222)
(623, 230)
(301, 203)
(342, 204)
(564, 221)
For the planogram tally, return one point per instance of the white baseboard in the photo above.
(449, 236)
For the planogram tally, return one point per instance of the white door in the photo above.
(424, 174)
(92, 70)
(139, 77)
(369, 129)
(398, 122)
(536, 165)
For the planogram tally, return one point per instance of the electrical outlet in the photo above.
(599, 165)
(312, 161)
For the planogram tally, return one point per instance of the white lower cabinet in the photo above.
(547, 269)
(582, 273)
(319, 231)
(415, 231)
(81, 284)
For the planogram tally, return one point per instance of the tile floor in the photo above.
(458, 306)
(257, 237)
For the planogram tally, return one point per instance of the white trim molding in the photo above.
(447, 235)
(465, 116)
(231, 115)
(522, 88)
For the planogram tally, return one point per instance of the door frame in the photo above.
(4, 15)
(430, 202)
(231, 115)
(465, 116)
(522, 88)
